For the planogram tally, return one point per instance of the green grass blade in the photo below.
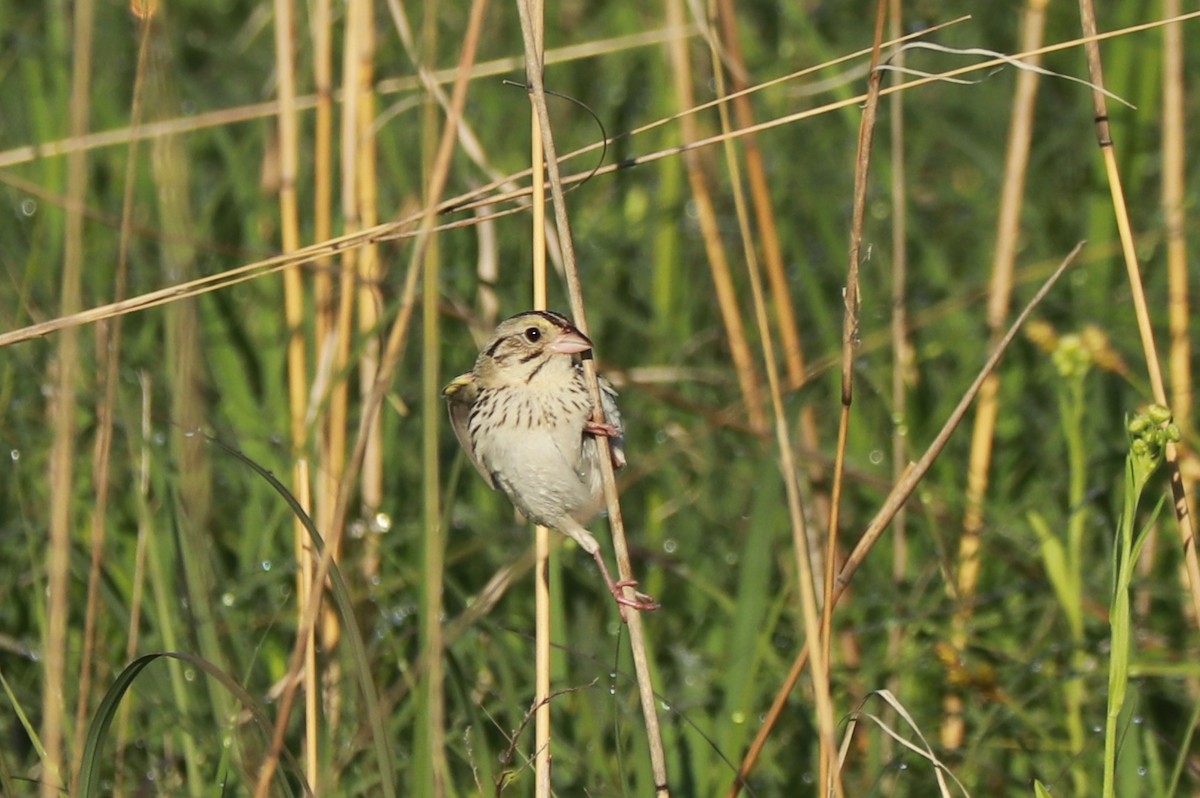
(358, 649)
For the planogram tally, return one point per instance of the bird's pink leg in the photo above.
(640, 601)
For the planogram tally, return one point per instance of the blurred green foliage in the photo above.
(702, 499)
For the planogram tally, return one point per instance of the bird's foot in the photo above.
(639, 601)
(608, 430)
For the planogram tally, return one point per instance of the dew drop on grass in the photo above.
(1141, 771)
(266, 565)
(1097, 729)
(666, 706)
(669, 545)
(381, 523)
(738, 718)
(227, 599)
(876, 456)
(189, 675)
(28, 207)
(1137, 720)
(15, 454)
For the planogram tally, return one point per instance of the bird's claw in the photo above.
(595, 428)
(639, 601)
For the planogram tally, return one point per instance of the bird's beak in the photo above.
(570, 342)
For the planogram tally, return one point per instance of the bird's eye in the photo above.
(533, 334)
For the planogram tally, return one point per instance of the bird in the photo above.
(523, 415)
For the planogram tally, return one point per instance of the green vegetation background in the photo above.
(702, 498)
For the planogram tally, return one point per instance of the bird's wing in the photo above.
(460, 394)
(612, 415)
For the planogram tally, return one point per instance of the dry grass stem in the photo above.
(410, 226)
(1183, 514)
(287, 153)
(830, 773)
(718, 263)
(764, 213)
(63, 408)
(898, 496)
(1174, 205)
(535, 61)
(574, 289)
(324, 95)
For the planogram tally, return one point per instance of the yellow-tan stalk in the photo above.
(727, 302)
(543, 631)
(1183, 514)
(1175, 218)
(288, 133)
(1012, 194)
(333, 454)
(764, 213)
(321, 26)
(62, 419)
(370, 298)
(637, 642)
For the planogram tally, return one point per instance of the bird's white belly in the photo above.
(546, 476)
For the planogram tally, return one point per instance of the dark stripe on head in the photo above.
(557, 319)
(491, 350)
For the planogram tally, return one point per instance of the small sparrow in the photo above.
(524, 417)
